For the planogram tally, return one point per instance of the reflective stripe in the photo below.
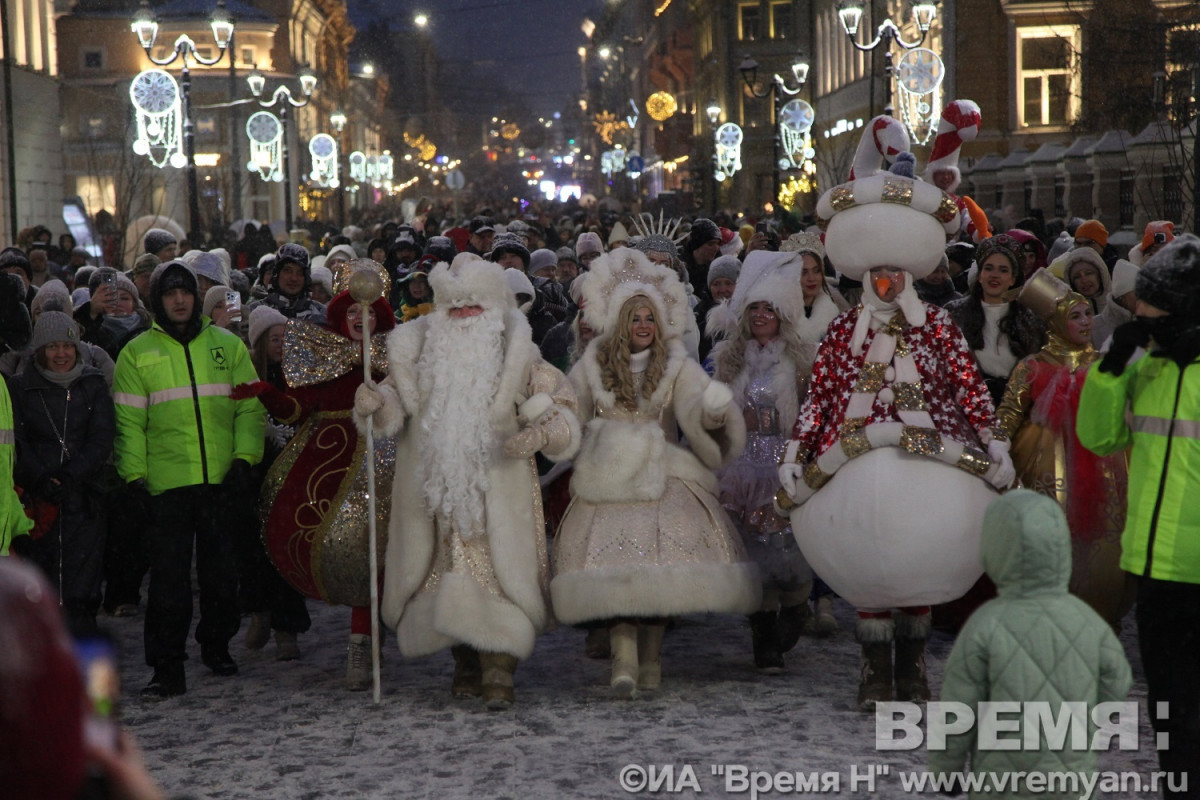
(185, 392)
(1186, 428)
(6, 437)
(132, 400)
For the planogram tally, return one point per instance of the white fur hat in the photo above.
(617, 276)
(766, 276)
(470, 281)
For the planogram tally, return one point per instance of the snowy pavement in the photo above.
(290, 729)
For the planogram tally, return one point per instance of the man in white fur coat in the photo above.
(470, 401)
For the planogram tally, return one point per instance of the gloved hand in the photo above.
(279, 404)
(251, 389)
(715, 404)
(790, 475)
(1125, 340)
(367, 400)
(53, 485)
(1005, 473)
(525, 442)
(238, 477)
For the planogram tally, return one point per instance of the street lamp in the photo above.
(713, 112)
(282, 97)
(145, 26)
(777, 89)
(850, 13)
(338, 120)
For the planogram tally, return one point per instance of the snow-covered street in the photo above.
(290, 729)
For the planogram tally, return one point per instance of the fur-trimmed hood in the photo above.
(773, 277)
(615, 277)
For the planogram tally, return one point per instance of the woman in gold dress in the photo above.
(1039, 412)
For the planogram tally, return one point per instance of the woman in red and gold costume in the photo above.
(1038, 413)
(314, 500)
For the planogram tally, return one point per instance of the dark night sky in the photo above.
(528, 47)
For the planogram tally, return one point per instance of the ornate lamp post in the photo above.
(282, 97)
(850, 13)
(777, 89)
(713, 112)
(145, 25)
(338, 120)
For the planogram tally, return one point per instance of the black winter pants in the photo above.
(1168, 619)
(191, 516)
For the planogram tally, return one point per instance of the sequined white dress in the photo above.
(644, 535)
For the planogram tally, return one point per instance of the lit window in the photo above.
(248, 56)
(1047, 80)
(749, 18)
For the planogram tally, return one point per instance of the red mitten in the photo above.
(252, 389)
(282, 406)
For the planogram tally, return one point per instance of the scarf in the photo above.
(63, 380)
(875, 313)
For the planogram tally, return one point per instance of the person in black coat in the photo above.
(64, 426)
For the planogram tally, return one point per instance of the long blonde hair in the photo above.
(612, 356)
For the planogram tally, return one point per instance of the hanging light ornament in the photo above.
(156, 101)
(919, 76)
(323, 149)
(660, 106)
(728, 140)
(266, 145)
(795, 121)
(358, 167)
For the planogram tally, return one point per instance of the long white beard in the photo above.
(459, 371)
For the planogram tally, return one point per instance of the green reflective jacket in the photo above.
(1162, 527)
(176, 425)
(13, 521)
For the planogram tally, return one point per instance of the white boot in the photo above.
(358, 663)
(258, 632)
(650, 638)
(624, 640)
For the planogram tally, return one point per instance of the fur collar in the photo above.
(813, 328)
(676, 355)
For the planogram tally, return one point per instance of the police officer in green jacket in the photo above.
(186, 450)
(1153, 407)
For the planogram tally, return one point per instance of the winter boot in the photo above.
(765, 637)
(596, 645)
(468, 674)
(358, 663)
(169, 680)
(826, 623)
(793, 622)
(623, 638)
(649, 643)
(286, 646)
(258, 632)
(497, 680)
(911, 632)
(875, 686)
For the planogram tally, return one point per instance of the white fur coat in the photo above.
(460, 610)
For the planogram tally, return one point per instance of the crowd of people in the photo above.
(612, 426)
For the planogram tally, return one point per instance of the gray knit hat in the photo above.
(1170, 279)
(724, 267)
(540, 259)
(145, 263)
(156, 239)
(565, 253)
(262, 319)
(54, 326)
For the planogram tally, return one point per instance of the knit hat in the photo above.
(145, 263)
(1124, 277)
(1170, 279)
(208, 265)
(1060, 245)
(1158, 232)
(724, 267)
(442, 247)
(83, 275)
(262, 319)
(80, 298)
(703, 230)
(54, 326)
(294, 253)
(509, 243)
(14, 315)
(156, 239)
(15, 257)
(52, 296)
(1093, 229)
(341, 251)
(322, 276)
(565, 254)
(540, 259)
(588, 242)
(214, 297)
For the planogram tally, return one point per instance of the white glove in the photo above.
(1005, 473)
(525, 442)
(790, 476)
(716, 398)
(367, 400)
